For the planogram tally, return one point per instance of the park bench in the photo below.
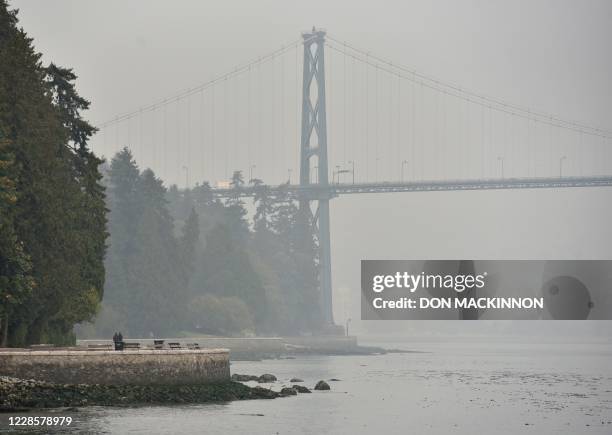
(193, 346)
(131, 346)
(41, 346)
(175, 345)
(99, 347)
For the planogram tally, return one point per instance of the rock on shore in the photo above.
(263, 379)
(322, 385)
(16, 394)
(244, 378)
(266, 377)
(301, 389)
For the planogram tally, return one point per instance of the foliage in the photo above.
(220, 315)
(16, 282)
(162, 259)
(53, 224)
(181, 260)
(146, 265)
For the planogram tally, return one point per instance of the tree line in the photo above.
(184, 262)
(106, 246)
(52, 203)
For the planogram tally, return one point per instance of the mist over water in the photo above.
(451, 387)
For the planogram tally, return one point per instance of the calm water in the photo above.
(449, 388)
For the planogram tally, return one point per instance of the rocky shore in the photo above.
(20, 394)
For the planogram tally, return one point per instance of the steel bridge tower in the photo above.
(313, 157)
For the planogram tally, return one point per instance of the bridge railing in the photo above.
(317, 191)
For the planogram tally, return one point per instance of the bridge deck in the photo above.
(315, 191)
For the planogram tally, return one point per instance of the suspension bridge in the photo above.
(389, 129)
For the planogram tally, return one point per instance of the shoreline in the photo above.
(18, 394)
(24, 395)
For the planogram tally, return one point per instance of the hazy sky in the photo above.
(551, 55)
(554, 56)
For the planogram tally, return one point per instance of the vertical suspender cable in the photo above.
(273, 116)
(344, 108)
(375, 118)
(400, 155)
(177, 116)
(413, 127)
(188, 134)
(248, 114)
(225, 130)
(213, 121)
(165, 145)
(296, 155)
(283, 144)
(201, 154)
(367, 116)
(483, 139)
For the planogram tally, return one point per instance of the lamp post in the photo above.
(289, 171)
(376, 170)
(501, 159)
(404, 163)
(337, 175)
(561, 166)
(316, 172)
(347, 326)
(186, 169)
(251, 173)
(342, 171)
(352, 163)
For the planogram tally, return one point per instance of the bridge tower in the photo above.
(313, 157)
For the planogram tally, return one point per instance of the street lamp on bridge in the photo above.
(186, 169)
(376, 170)
(561, 166)
(501, 160)
(352, 163)
(251, 173)
(404, 163)
(343, 171)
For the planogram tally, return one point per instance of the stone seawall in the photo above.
(130, 367)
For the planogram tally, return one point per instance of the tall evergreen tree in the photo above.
(123, 202)
(202, 195)
(264, 207)
(147, 273)
(190, 239)
(92, 206)
(156, 285)
(59, 212)
(235, 211)
(16, 283)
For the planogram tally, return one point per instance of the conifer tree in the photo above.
(59, 215)
(16, 282)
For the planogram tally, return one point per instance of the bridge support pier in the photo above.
(314, 145)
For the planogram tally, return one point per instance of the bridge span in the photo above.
(316, 191)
